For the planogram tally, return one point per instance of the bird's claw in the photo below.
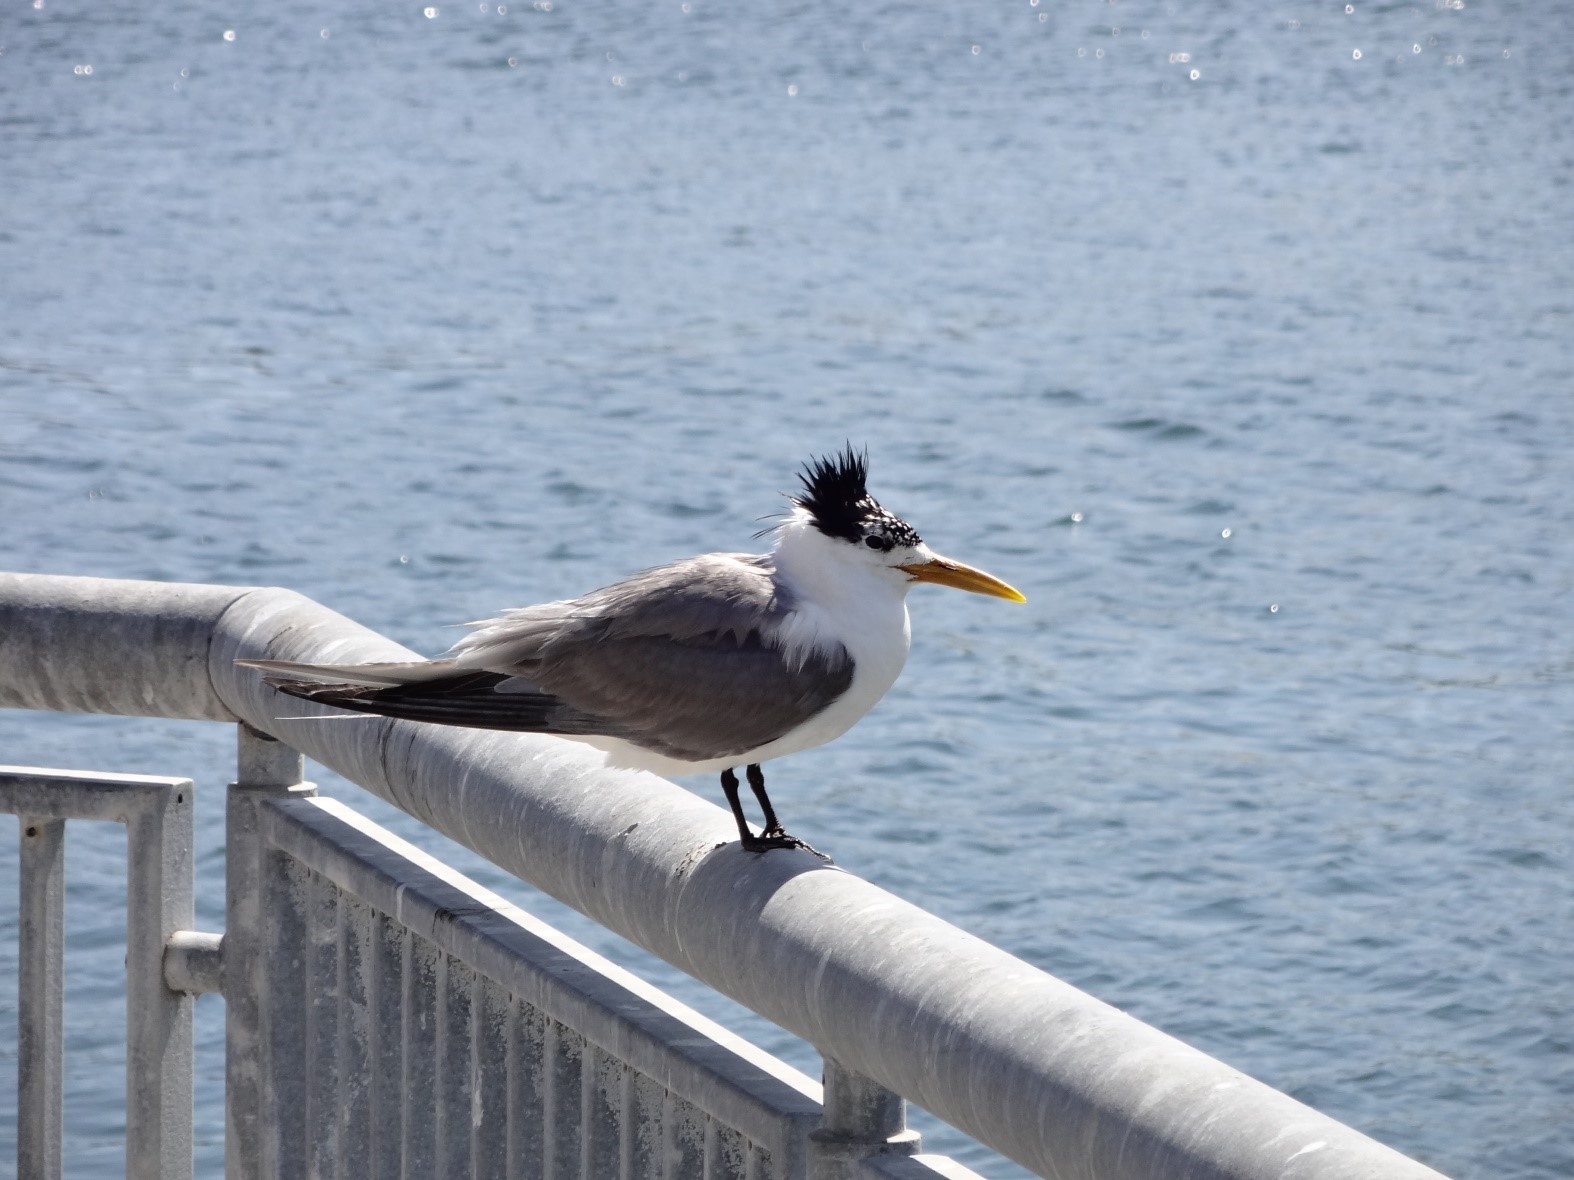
(779, 837)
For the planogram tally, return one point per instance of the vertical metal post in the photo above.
(290, 1057)
(861, 1119)
(158, 1020)
(40, 1092)
(266, 768)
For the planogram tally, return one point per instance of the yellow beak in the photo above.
(964, 577)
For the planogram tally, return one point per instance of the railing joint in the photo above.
(194, 962)
(862, 1120)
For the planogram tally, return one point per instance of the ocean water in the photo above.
(1239, 336)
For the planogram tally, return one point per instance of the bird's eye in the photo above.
(875, 541)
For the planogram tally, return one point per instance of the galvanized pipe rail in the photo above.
(1042, 1072)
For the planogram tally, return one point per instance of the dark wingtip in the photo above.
(316, 690)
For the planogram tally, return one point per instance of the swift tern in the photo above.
(704, 665)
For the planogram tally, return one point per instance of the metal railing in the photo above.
(447, 1033)
(897, 1001)
(157, 815)
(408, 1021)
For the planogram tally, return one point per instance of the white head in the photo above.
(836, 515)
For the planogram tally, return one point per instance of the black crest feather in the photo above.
(836, 495)
(836, 492)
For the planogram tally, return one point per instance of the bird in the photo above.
(700, 666)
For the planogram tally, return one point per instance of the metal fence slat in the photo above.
(419, 1092)
(490, 1024)
(454, 1073)
(321, 1011)
(385, 1018)
(40, 1010)
(528, 1131)
(356, 1043)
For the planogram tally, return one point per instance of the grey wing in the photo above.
(700, 698)
(678, 659)
(733, 593)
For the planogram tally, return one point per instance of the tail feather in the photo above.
(374, 675)
(464, 698)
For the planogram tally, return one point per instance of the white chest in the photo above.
(876, 635)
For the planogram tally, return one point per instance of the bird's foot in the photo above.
(778, 837)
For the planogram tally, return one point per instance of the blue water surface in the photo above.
(1240, 336)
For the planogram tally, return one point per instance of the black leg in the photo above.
(774, 835)
(773, 826)
(729, 785)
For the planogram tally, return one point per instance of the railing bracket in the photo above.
(194, 962)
